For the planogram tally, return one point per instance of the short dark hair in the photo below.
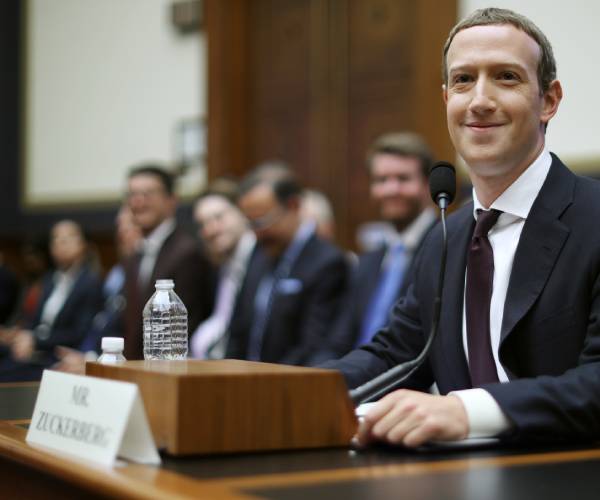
(276, 174)
(402, 144)
(222, 187)
(165, 177)
(546, 70)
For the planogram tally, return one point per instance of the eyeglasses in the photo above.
(267, 220)
(147, 193)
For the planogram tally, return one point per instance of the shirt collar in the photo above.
(411, 236)
(242, 253)
(154, 241)
(518, 198)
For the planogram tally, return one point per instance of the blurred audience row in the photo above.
(262, 282)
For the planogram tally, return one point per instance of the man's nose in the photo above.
(391, 186)
(483, 99)
(210, 227)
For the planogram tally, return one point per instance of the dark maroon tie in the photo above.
(480, 278)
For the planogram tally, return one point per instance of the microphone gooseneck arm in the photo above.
(382, 384)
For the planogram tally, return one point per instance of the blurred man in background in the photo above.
(398, 164)
(295, 279)
(316, 207)
(229, 243)
(166, 252)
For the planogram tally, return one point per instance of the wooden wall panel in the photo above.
(318, 80)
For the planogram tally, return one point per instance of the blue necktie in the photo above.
(262, 310)
(385, 294)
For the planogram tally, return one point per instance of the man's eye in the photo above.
(458, 79)
(508, 75)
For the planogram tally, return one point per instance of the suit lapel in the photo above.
(541, 241)
(453, 297)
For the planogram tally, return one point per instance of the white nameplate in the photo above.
(91, 418)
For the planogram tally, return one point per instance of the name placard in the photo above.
(92, 418)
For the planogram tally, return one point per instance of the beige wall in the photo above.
(107, 82)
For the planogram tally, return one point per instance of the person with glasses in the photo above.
(295, 279)
(166, 252)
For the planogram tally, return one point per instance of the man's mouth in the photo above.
(482, 126)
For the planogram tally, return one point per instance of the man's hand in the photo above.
(23, 345)
(413, 418)
(70, 360)
(7, 335)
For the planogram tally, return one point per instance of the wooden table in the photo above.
(379, 473)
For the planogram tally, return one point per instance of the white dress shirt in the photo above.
(485, 416)
(150, 248)
(207, 341)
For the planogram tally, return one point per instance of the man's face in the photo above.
(220, 225)
(129, 234)
(149, 202)
(494, 107)
(399, 187)
(273, 224)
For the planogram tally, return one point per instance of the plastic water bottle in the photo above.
(165, 324)
(112, 350)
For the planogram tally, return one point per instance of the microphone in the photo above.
(442, 185)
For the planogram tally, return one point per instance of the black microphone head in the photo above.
(442, 181)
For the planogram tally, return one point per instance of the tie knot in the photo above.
(485, 221)
(397, 248)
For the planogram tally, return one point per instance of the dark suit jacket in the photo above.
(365, 279)
(302, 310)
(69, 327)
(550, 337)
(181, 260)
(75, 317)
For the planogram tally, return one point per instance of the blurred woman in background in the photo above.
(71, 296)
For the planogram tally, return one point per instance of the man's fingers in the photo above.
(363, 434)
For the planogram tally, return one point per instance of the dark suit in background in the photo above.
(550, 340)
(366, 277)
(69, 327)
(9, 294)
(181, 260)
(304, 305)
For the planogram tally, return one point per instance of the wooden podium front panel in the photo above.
(229, 406)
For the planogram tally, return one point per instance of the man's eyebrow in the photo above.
(492, 65)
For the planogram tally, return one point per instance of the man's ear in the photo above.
(551, 100)
(445, 93)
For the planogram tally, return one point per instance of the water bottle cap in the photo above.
(113, 343)
(164, 284)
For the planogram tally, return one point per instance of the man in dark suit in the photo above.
(294, 280)
(166, 252)
(518, 350)
(229, 243)
(398, 164)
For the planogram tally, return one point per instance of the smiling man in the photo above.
(518, 350)
(398, 164)
(166, 252)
